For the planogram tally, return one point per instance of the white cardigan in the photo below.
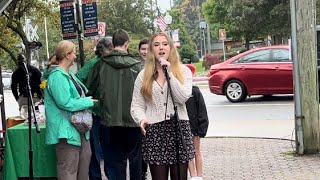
(154, 111)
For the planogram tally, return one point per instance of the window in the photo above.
(280, 55)
(258, 56)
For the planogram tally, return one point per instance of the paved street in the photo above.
(258, 116)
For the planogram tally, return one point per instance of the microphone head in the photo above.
(161, 59)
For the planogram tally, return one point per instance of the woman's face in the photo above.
(161, 47)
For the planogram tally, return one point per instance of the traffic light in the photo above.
(35, 45)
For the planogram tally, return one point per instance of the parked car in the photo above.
(6, 80)
(259, 71)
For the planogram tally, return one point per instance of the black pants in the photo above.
(120, 144)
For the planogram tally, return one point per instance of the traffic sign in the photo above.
(203, 25)
(102, 29)
(222, 34)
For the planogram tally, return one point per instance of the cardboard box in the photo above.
(15, 120)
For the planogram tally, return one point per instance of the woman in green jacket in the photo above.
(62, 98)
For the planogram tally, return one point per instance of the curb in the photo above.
(200, 78)
(249, 137)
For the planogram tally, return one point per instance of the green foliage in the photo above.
(318, 12)
(248, 19)
(187, 53)
(188, 47)
(12, 24)
(135, 16)
(133, 48)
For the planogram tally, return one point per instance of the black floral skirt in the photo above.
(159, 144)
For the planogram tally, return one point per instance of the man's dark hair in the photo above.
(21, 59)
(103, 43)
(119, 37)
(142, 42)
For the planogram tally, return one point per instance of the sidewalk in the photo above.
(254, 158)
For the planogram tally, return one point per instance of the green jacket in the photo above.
(61, 98)
(113, 77)
(83, 74)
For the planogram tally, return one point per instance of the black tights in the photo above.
(161, 172)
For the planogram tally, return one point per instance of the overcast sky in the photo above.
(164, 5)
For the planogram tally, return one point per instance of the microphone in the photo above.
(164, 67)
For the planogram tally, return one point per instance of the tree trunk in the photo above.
(247, 44)
(307, 75)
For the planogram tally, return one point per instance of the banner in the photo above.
(67, 16)
(90, 19)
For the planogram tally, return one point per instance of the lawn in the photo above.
(199, 69)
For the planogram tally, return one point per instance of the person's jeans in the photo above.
(94, 169)
(118, 145)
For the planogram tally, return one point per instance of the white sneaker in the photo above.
(199, 178)
(193, 178)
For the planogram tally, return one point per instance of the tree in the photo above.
(135, 16)
(12, 21)
(188, 47)
(248, 19)
(192, 15)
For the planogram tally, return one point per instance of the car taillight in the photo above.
(213, 71)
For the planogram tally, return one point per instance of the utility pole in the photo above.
(200, 36)
(307, 124)
(208, 38)
(80, 35)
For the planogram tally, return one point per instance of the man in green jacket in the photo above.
(103, 48)
(113, 79)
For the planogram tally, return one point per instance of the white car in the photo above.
(6, 80)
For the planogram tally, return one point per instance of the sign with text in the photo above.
(67, 15)
(175, 37)
(90, 19)
(222, 34)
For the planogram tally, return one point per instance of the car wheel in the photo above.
(235, 91)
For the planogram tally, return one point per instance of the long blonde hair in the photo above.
(150, 69)
(62, 49)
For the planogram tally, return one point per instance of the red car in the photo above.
(259, 71)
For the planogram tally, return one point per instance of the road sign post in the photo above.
(203, 26)
(222, 37)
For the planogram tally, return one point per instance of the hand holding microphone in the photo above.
(164, 63)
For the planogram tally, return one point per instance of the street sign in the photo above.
(102, 29)
(67, 15)
(203, 25)
(222, 34)
(175, 37)
(90, 19)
